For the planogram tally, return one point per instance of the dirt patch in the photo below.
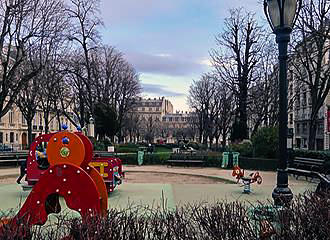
(147, 177)
(8, 180)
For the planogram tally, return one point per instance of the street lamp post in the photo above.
(281, 15)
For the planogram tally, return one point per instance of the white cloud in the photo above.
(122, 11)
(165, 64)
(165, 55)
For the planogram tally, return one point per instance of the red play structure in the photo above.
(110, 168)
(70, 172)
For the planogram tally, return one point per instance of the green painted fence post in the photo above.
(224, 159)
(140, 157)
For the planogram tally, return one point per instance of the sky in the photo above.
(168, 41)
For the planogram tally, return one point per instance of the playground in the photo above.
(150, 185)
(64, 175)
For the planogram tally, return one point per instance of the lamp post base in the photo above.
(282, 196)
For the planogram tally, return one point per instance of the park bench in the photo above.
(308, 164)
(12, 158)
(324, 184)
(186, 160)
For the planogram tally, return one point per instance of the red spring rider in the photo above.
(247, 181)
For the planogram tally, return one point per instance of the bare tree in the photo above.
(52, 86)
(193, 125)
(27, 102)
(203, 100)
(132, 126)
(150, 127)
(84, 18)
(226, 113)
(311, 58)
(26, 27)
(263, 93)
(236, 58)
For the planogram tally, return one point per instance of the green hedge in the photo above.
(265, 164)
(148, 159)
(312, 154)
(212, 160)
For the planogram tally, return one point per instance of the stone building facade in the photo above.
(299, 112)
(13, 128)
(159, 120)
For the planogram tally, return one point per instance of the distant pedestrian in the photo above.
(22, 170)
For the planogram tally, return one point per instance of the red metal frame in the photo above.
(34, 172)
(64, 177)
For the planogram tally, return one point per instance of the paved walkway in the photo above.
(171, 195)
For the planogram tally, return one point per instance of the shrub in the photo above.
(265, 142)
(245, 149)
(127, 148)
(265, 164)
(306, 218)
(148, 159)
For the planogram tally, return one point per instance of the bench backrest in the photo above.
(308, 161)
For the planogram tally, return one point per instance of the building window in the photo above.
(304, 127)
(6, 137)
(143, 109)
(11, 137)
(164, 119)
(16, 137)
(291, 118)
(304, 100)
(150, 109)
(40, 119)
(170, 119)
(320, 128)
(176, 119)
(11, 117)
(157, 109)
(1, 137)
(298, 128)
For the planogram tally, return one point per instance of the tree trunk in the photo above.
(243, 113)
(312, 134)
(46, 116)
(82, 112)
(29, 123)
(59, 121)
(224, 138)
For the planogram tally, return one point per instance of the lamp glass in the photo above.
(274, 12)
(290, 9)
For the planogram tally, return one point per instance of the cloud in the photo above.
(165, 64)
(159, 90)
(121, 11)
